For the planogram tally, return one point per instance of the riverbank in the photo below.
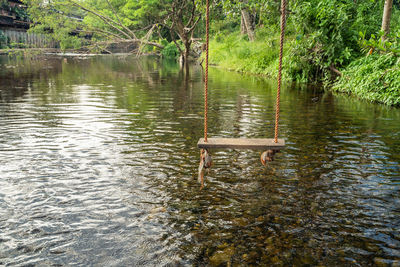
(49, 51)
(59, 52)
(374, 78)
(10, 51)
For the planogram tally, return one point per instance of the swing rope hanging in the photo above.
(206, 74)
(270, 145)
(278, 93)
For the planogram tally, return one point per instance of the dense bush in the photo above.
(321, 35)
(391, 44)
(327, 34)
(375, 78)
(170, 50)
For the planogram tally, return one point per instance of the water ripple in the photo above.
(101, 169)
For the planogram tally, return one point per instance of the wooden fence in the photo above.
(23, 39)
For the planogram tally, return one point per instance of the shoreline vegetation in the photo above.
(350, 47)
(12, 51)
(342, 45)
(375, 77)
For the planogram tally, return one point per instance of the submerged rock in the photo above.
(158, 210)
(240, 222)
(380, 262)
(222, 256)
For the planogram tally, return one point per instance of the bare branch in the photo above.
(195, 24)
(172, 32)
(146, 38)
(101, 31)
(113, 10)
(192, 15)
(132, 41)
(335, 70)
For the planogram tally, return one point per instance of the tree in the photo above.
(242, 8)
(252, 13)
(181, 21)
(118, 21)
(68, 21)
(387, 12)
(247, 24)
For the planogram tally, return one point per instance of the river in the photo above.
(98, 166)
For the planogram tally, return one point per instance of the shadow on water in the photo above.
(99, 161)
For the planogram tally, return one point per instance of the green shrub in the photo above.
(374, 78)
(327, 33)
(376, 44)
(170, 51)
(17, 45)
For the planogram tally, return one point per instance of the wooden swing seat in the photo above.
(242, 143)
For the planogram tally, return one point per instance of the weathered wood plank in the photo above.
(242, 143)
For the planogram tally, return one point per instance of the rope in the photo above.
(206, 74)
(278, 94)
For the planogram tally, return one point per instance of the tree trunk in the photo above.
(184, 58)
(387, 12)
(253, 20)
(242, 25)
(187, 51)
(247, 23)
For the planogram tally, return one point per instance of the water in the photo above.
(98, 166)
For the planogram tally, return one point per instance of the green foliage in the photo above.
(374, 78)
(375, 43)
(70, 42)
(20, 13)
(5, 5)
(18, 45)
(328, 32)
(116, 20)
(58, 20)
(3, 40)
(142, 13)
(220, 28)
(236, 53)
(170, 51)
(320, 34)
(267, 10)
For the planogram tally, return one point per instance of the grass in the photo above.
(235, 52)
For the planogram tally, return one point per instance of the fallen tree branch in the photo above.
(110, 22)
(146, 38)
(132, 41)
(106, 19)
(102, 32)
(120, 23)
